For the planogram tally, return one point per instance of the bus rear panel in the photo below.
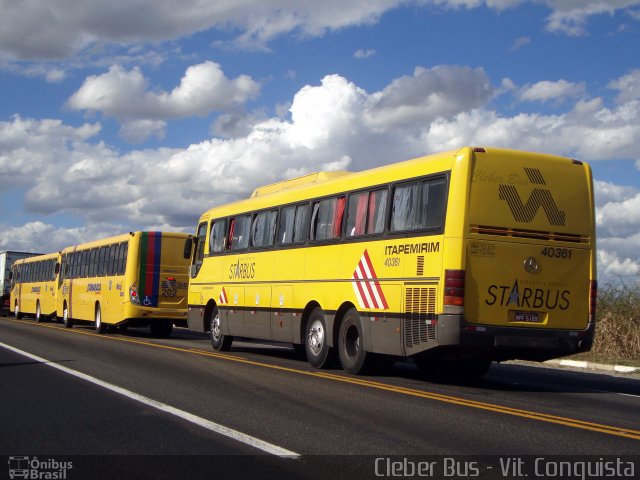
(529, 257)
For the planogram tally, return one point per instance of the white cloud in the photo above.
(612, 266)
(607, 192)
(126, 94)
(547, 90)
(620, 217)
(361, 53)
(570, 16)
(628, 85)
(137, 131)
(520, 42)
(62, 29)
(439, 92)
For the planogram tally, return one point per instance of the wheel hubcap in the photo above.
(216, 333)
(316, 337)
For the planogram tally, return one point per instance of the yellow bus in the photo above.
(456, 260)
(134, 279)
(33, 286)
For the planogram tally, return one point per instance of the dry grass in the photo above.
(618, 325)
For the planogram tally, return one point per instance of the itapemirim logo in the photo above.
(540, 197)
(33, 468)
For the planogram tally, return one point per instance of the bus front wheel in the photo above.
(319, 354)
(219, 341)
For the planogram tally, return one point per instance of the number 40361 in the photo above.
(554, 252)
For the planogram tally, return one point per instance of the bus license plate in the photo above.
(530, 317)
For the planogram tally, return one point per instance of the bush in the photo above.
(618, 322)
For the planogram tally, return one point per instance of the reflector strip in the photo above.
(223, 296)
(366, 286)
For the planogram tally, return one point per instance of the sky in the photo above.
(142, 114)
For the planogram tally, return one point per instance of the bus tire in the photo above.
(39, 316)
(161, 328)
(16, 312)
(66, 321)
(219, 341)
(100, 326)
(319, 354)
(353, 357)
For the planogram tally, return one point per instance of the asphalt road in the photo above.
(262, 410)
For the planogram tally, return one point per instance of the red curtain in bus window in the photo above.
(361, 215)
(337, 219)
(231, 229)
(371, 220)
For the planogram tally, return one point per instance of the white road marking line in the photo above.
(202, 422)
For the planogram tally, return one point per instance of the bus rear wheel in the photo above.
(100, 326)
(39, 316)
(353, 357)
(219, 341)
(16, 312)
(68, 323)
(319, 354)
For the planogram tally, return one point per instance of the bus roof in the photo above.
(316, 177)
(328, 183)
(119, 238)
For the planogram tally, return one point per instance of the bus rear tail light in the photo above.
(454, 291)
(133, 294)
(593, 300)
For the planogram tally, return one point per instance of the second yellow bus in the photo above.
(134, 279)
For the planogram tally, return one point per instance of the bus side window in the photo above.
(287, 222)
(93, 262)
(326, 221)
(113, 260)
(122, 258)
(102, 261)
(302, 224)
(418, 205)
(217, 239)
(239, 232)
(263, 229)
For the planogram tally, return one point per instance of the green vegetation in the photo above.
(618, 326)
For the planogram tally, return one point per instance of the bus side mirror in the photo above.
(188, 246)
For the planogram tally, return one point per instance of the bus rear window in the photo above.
(419, 205)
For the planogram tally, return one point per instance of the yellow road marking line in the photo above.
(543, 417)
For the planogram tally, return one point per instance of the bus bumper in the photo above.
(510, 343)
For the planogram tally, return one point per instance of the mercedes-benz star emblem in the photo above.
(531, 265)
